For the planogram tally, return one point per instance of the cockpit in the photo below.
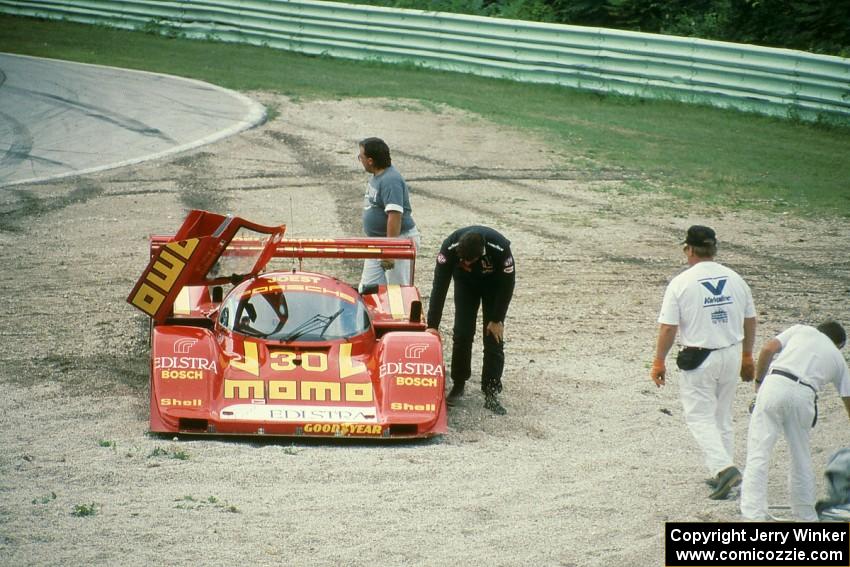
(289, 307)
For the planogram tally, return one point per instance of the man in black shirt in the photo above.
(479, 261)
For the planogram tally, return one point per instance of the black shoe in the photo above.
(726, 480)
(491, 402)
(456, 394)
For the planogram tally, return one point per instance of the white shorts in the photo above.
(374, 273)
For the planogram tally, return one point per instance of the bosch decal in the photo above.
(416, 381)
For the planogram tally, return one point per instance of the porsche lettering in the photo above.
(184, 363)
(411, 368)
(299, 287)
(182, 374)
(305, 390)
(416, 381)
(400, 406)
(343, 429)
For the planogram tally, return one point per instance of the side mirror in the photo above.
(217, 294)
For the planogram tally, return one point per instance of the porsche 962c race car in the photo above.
(290, 352)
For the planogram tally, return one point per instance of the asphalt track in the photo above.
(59, 118)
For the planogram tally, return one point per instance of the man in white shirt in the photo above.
(711, 307)
(794, 366)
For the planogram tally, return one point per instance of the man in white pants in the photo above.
(712, 308)
(386, 213)
(794, 366)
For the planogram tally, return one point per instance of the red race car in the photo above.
(290, 352)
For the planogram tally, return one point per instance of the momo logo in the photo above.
(715, 286)
(161, 276)
(183, 346)
(415, 350)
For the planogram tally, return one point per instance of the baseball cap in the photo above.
(699, 235)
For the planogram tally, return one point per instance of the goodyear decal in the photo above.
(344, 429)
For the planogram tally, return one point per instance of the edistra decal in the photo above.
(184, 363)
(411, 368)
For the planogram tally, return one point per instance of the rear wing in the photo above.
(381, 248)
(191, 257)
(212, 249)
(352, 248)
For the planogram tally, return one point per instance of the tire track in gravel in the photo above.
(334, 179)
(28, 205)
(200, 192)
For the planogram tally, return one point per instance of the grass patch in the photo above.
(172, 453)
(84, 510)
(717, 157)
(46, 499)
(189, 502)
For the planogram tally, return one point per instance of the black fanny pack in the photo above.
(690, 358)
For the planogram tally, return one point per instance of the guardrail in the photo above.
(771, 81)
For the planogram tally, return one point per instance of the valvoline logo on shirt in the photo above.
(716, 286)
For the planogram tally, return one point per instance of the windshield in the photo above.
(273, 312)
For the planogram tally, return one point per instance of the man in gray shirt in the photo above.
(386, 213)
